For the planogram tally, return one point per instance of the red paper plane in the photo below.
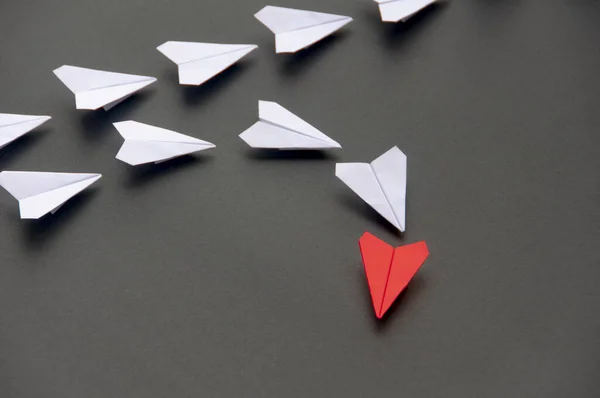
(389, 269)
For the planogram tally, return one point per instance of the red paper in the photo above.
(389, 269)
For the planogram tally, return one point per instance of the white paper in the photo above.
(401, 10)
(198, 62)
(147, 144)
(15, 126)
(278, 128)
(95, 88)
(382, 184)
(297, 29)
(40, 193)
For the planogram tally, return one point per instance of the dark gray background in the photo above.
(236, 273)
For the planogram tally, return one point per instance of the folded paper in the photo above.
(382, 184)
(95, 88)
(40, 193)
(147, 144)
(15, 126)
(389, 269)
(401, 10)
(297, 29)
(198, 62)
(278, 128)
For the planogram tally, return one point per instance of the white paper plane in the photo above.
(198, 62)
(96, 88)
(297, 29)
(382, 184)
(146, 144)
(278, 128)
(15, 126)
(401, 10)
(41, 193)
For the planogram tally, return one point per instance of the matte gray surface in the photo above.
(237, 273)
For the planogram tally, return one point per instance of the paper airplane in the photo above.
(297, 29)
(278, 128)
(382, 184)
(198, 62)
(95, 88)
(401, 10)
(389, 269)
(15, 126)
(41, 193)
(146, 144)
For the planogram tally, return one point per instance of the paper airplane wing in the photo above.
(390, 171)
(39, 193)
(15, 126)
(146, 144)
(94, 88)
(198, 62)
(407, 261)
(389, 270)
(377, 259)
(279, 128)
(401, 10)
(298, 29)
